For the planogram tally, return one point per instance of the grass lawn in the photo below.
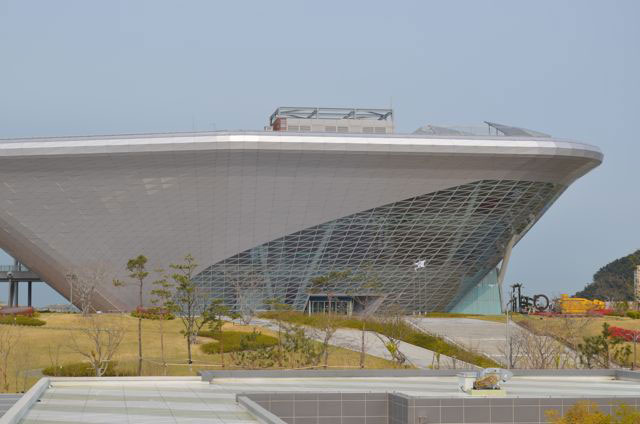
(37, 346)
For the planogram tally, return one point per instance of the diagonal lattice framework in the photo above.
(459, 232)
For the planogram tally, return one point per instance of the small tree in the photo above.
(104, 340)
(395, 329)
(138, 273)
(280, 310)
(601, 349)
(190, 304)
(217, 311)
(366, 283)
(327, 327)
(163, 306)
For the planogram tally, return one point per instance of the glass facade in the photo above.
(421, 254)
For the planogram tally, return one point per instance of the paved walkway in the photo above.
(352, 339)
(486, 337)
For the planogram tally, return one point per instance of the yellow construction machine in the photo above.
(577, 305)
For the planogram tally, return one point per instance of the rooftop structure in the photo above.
(332, 120)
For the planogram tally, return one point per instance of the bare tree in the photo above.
(571, 330)
(249, 290)
(8, 342)
(512, 349)
(84, 283)
(21, 362)
(537, 351)
(98, 341)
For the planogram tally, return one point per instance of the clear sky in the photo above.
(567, 68)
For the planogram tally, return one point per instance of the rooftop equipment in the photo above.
(492, 129)
(332, 120)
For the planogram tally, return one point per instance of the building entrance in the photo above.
(342, 305)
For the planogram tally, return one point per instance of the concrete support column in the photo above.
(11, 289)
(29, 286)
(16, 292)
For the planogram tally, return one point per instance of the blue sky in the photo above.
(568, 68)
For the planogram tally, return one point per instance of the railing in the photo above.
(13, 268)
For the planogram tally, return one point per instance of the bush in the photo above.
(21, 320)
(633, 314)
(149, 314)
(83, 369)
(235, 341)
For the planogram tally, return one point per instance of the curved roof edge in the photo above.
(244, 140)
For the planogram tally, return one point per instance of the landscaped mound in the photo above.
(236, 341)
(408, 335)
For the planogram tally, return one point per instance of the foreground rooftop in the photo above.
(192, 400)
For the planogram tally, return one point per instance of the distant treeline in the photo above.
(613, 281)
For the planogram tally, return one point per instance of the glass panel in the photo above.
(424, 253)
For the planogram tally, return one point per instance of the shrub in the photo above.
(149, 314)
(21, 320)
(633, 314)
(83, 369)
(624, 334)
(235, 341)
(585, 412)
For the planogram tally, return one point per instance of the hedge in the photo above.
(152, 315)
(21, 320)
(235, 341)
(83, 369)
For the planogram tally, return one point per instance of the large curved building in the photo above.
(427, 217)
